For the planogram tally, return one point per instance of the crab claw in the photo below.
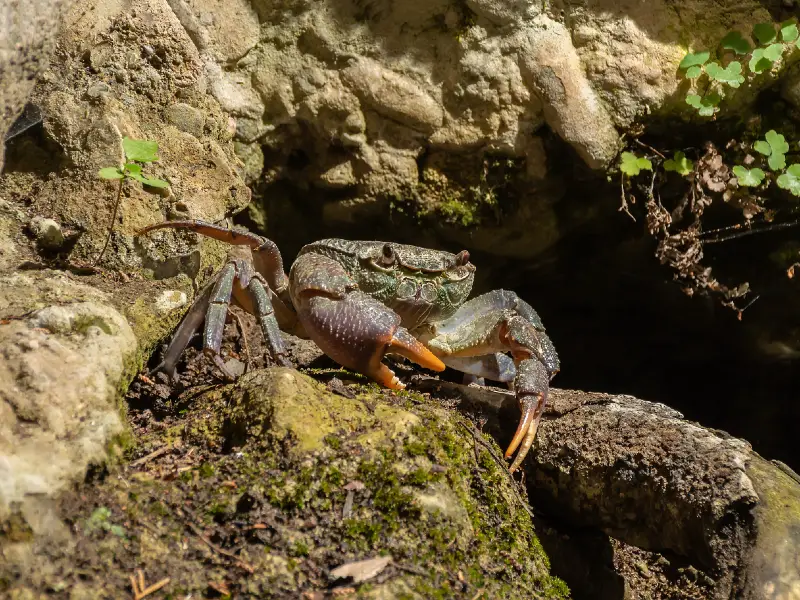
(357, 331)
(531, 384)
(404, 344)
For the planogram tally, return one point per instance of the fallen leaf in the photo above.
(221, 587)
(361, 570)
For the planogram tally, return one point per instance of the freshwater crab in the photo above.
(361, 300)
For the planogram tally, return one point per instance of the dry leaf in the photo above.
(361, 570)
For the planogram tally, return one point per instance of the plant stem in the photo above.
(113, 220)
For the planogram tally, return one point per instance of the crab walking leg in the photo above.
(500, 321)
(266, 255)
(218, 311)
(189, 325)
(350, 326)
(262, 309)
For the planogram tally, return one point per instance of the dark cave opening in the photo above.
(618, 320)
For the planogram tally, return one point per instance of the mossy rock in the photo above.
(274, 481)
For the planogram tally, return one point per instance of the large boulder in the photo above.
(28, 32)
(278, 486)
(124, 71)
(642, 474)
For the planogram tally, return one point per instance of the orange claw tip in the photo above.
(386, 377)
(525, 447)
(522, 429)
(407, 345)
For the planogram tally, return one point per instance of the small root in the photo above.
(138, 585)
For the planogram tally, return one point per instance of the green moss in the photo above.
(362, 534)
(158, 508)
(419, 477)
(286, 514)
(333, 441)
(150, 327)
(300, 548)
(217, 509)
(414, 448)
(460, 212)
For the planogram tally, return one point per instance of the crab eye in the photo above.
(457, 274)
(388, 256)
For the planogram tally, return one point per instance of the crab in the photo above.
(361, 300)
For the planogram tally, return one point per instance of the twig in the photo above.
(113, 220)
(412, 569)
(624, 206)
(244, 338)
(652, 185)
(643, 145)
(746, 306)
(219, 550)
(139, 589)
(155, 453)
(749, 231)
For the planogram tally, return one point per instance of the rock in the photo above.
(170, 300)
(392, 95)
(791, 88)
(553, 70)
(281, 454)
(772, 569)
(28, 31)
(60, 373)
(506, 11)
(362, 570)
(600, 459)
(87, 112)
(47, 232)
(186, 118)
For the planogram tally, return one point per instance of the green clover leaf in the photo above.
(706, 106)
(789, 32)
(749, 177)
(775, 148)
(790, 180)
(694, 72)
(734, 41)
(758, 63)
(773, 52)
(110, 173)
(632, 165)
(679, 164)
(694, 60)
(764, 33)
(732, 74)
(140, 150)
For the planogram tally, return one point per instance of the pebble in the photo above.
(235, 367)
(169, 300)
(186, 118)
(47, 233)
